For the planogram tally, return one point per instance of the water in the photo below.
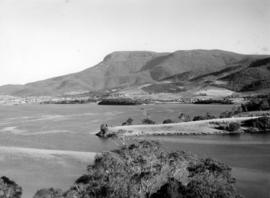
(248, 155)
(67, 132)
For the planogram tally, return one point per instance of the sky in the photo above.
(40, 39)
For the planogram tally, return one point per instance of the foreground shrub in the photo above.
(9, 189)
(144, 169)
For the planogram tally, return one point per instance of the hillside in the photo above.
(151, 72)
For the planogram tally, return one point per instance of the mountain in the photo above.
(155, 72)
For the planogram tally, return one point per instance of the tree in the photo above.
(167, 121)
(128, 122)
(148, 121)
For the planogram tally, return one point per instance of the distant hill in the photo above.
(191, 68)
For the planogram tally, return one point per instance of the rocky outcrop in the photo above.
(104, 132)
(9, 189)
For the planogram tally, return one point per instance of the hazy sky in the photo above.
(45, 38)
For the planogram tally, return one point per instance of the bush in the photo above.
(144, 169)
(226, 114)
(167, 121)
(9, 189)
(184, 118)
(197, 118)
(119, 101)
(128, 122)
(225, 126)
(207, 116)
(233, 126)
(261, 124)
(213, 101)
(50, 192)
(256, 104)
(148, 121)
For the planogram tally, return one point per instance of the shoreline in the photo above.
(200, 127)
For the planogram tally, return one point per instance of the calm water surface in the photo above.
(71, 127)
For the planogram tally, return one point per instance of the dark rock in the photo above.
(104, 132)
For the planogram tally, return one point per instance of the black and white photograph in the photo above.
(134, 99)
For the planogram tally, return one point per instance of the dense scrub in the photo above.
(257, 104)
(254, 104)
(145, 170)
(232, 127)
(261, 124)
(9, 189)
(167, 121)
(213, 101)
(142, 170)
(119, 101)
(207, 116)
(148, 121)
(129, 121)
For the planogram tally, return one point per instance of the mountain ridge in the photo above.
(122, 69)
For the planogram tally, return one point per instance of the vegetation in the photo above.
(231, 126)
(213, 101)
(144, 169)
(261, 124)
(207, 116)
(167, 121)
(257, 104)
(148, 121)
(260, 62)
(49, 193)
(254, 104)
(184, 118)
(9, 189)
(226, 114)
(119, 101)
(165, 88)
(128, 122)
